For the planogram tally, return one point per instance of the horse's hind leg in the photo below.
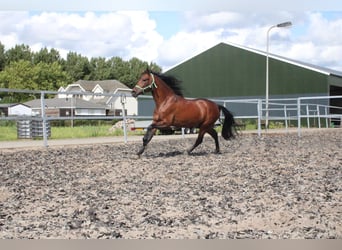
(147, 138)
(213, 134)
(198, 140)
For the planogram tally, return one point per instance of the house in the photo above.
(109, 93)
(64, 107)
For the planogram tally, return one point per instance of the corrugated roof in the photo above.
(320, 69)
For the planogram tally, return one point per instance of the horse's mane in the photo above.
(171, 81)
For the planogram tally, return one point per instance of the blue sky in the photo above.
(168, 22)
(168, 32)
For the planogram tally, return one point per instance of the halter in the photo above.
(153, 84)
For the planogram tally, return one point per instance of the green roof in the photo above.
(228, 70)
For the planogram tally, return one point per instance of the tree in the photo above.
(99, 69)
(2, 57)
(46, 56)
(50, 76)
(153, 66)
(136, 67)
(118, 68)
(18, 75)
(46, 70)
(25, 75)
(19, 52)
(76, 66)
(128, 72)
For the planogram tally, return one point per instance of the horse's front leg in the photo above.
(151, 130)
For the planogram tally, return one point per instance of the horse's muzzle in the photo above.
(134, 94)
(136, 91)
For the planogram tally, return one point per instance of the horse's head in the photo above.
(146, 83)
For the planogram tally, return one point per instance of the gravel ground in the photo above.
(276, 186)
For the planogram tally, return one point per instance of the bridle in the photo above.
(151, 86)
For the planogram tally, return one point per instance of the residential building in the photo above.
(109, 93)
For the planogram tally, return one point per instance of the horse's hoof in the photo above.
(141, 151)
(217, 151)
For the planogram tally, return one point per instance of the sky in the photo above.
(169, 32)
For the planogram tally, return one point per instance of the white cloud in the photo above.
(321, 44)
(87, 34)
(208, 21)
(175, 5)
(9, 27)
(203, 30)
(321, 30)
(124, 34)
(186, 44)
(314, 38)
(144, 40)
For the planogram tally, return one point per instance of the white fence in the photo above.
(311, 109)
(314, 110)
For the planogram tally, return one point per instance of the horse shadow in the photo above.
(178, 153)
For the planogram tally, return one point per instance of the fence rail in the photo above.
(308, 109)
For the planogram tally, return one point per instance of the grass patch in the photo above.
(81, 132)
(87, 131)
(8, 133)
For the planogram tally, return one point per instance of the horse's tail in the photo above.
(228, 128)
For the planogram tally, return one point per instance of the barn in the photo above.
(230, 71)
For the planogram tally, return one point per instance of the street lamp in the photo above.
(280, 25)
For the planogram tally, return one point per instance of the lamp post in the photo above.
(280, 25)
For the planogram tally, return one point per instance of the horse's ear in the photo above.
(147, 70)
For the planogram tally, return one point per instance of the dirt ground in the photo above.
(274, 186)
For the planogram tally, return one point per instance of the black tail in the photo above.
(228, 129)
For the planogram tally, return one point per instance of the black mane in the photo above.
(171, 81)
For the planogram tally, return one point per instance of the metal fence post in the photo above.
(123, 101)
(183, 133)
(326, 117)
(308, 114)
(259, 107)
(285, 115)
(42, 103)
(298, 117)
(318, 117)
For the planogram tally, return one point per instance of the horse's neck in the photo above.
(162, 92)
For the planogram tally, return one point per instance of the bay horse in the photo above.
(172, 109)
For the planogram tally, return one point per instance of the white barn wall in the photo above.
(19, 110)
